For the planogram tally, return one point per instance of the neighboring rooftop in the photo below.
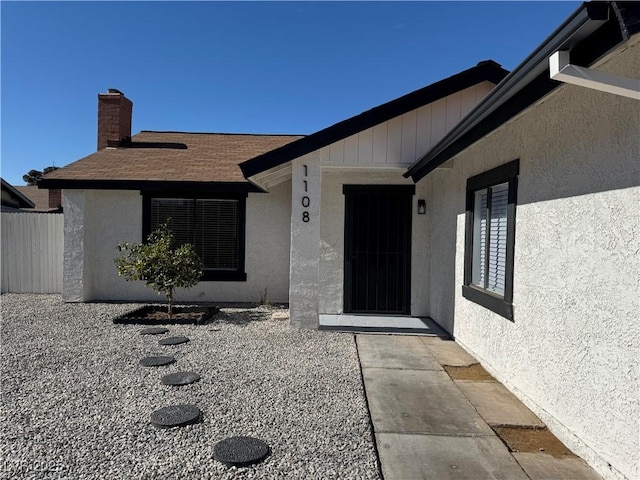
(13, 199)
(39, 196)
(167, 157)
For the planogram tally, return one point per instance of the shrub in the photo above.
(161, 266)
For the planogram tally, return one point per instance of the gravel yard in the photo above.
(76, 403)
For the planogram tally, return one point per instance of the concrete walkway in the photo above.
(429, 424)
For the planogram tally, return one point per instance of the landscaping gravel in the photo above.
(76, 403)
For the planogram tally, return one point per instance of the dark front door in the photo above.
(377, 248)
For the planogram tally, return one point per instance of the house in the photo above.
(503, 206)
(46, 201)
(13, 200)
(533, 203)
(192, 180)
(242, 228)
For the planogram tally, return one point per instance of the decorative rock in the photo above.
(156, 361)
(175, 416)
(154, 331)
(240, 451)
(180, 378)
(173, 341)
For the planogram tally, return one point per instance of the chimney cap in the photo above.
(114, 90)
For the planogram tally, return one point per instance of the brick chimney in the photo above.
(55, 198)
(114, 118)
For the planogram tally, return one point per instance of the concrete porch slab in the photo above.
(497, 405)
(395, 351)
(542, 466)
(448, 352)
(420, 401)
(380, 323)
(435, 457)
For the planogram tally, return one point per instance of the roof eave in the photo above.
(149, 185)
(588, 18)
(485, 71)
(23, 200)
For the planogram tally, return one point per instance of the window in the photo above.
(214, 226)
(490, 236)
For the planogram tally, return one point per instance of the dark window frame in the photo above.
(507, 173)
(238, 275)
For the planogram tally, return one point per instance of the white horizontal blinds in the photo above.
(498, 239)
(178, 213)
(490, 225)
(216, 233)
(478, 268)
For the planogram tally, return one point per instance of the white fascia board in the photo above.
(561, 70)
(271, 177)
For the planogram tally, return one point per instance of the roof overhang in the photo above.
(272, 177)
(148, 185)
(590, 32)
(23, 200)
(270, 161)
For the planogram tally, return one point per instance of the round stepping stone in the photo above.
(156, 361)
(240, 451)
(175, 416)
(180, 378)
(154, 331)
(173, 341)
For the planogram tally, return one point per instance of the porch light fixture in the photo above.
(422, 207)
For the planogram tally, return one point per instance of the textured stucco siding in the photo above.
(98, 220)
(572, 352)
(73, 263)
(303, 291)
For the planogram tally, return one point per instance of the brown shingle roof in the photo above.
(38, 196)
(172, 156)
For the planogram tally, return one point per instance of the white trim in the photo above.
(561, 70)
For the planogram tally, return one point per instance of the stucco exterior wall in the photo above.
(99, 220)
(572, 352)
(73, 264)
(303, 291)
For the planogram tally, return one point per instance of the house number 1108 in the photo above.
(305, 200)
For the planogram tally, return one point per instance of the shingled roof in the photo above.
(169, 159)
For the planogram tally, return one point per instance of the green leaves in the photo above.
(162, 267)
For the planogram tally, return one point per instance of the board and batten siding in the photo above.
(32, 252)
(401, 140)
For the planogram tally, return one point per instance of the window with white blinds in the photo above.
(212, 226)
(490, 238)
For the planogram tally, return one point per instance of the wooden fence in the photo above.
(32, 252)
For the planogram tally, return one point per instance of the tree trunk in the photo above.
(170, 309)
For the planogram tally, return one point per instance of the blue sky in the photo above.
(240, 67)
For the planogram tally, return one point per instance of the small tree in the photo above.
(162, 267)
